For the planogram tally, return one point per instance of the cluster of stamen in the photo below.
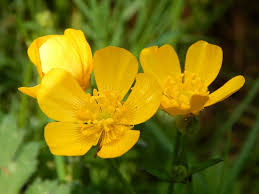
(179, 90)
(101, 114)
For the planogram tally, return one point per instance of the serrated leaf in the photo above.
(159, 174)
(18, 161)
(18, 171)
(10, 139)
(47, 187)
(204, 165)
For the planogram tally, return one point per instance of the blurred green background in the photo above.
(229, 130)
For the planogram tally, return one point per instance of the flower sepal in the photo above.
(188, 124)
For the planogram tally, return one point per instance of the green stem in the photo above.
(115, 167)
(178, 148)
(24, 98)
(60, 167)
(171, 188)
(176, 153)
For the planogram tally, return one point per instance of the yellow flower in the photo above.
(102, 119)
(187, 92)
(70, 52)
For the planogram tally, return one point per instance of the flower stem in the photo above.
(176, 154)
(115, 167)
(60, 167)
(171, 188)
(177, 147)
(22, 117)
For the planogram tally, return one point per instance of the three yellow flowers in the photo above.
(65, 63)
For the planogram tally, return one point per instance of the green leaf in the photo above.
(10, 139)
(204, 165)
(47, 187)
(17, 161)
(159, 174)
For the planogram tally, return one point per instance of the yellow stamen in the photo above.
(102, 114)
(178, 91)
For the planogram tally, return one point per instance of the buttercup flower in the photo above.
(187, 92)
(70, 52)
(103, 118)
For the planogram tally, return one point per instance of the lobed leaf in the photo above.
(47, 187)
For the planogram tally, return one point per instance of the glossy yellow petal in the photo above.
(114, 69)
(66, 139)
(120, 146)
(175, 110)
(83, 49)
(30, 91)
(204, 60)
(70, 52)
(60, 96)
(226, 90)
(160, 62)
(197, 102)
(58, 52)
(143, 101)
(33, 52)
(195, 105)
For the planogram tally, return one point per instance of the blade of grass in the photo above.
(95, 22)
(23, 114)
(228, 127)
(84, 8)
(117, 23)
(127, 13)
(206, 22)
(239, 164)
(237, 112)
(139, 25)
(176, 12)
(115, 168)
(22, 117)
(201, 184)
(152, 21)
(99, 24)
(159, 134)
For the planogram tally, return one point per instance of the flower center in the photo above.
(178, 91)
(102, 113)
(100, 107)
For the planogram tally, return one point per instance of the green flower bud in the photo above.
(179, 173)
